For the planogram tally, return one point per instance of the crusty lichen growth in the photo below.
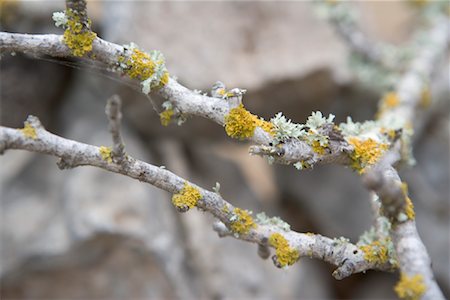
(410, 288)
(166, 116)
(241, 221)
(285, 254)
(375, 252)
(409, 206)
(241, 124)
(425, 97)
(365, 153)
(77, 37)
(106, 153)
(317, 148)
(29, 131)
(389, 101)
(187, 198)
(140, 65)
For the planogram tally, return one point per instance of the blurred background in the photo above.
(88, 234)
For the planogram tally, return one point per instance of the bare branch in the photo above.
(113, 111)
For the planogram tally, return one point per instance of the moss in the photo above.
(105, 152)
(29, 131)
(166, 116)
(285, 254)
(365, 153)
(410, 288)
(375, 252)
(241, 124)
(187, 198)
(76, 36)
(242, 221)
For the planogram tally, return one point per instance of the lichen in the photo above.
(365, 153)
(409, 206)
(389, 101)
(317, 148)
(29, 131)
(285, 254)
(241, 124)
(140, 65)
(263, 219)
(105, 152)
(425, 97)
(410, 288)
(77, 37)
(285, 129)
(187, 198)
(375, 252)
(165, 116)
(241, 221)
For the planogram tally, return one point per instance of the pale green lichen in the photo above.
(241, 124)
(106, 153)
(77, 37)
(187, 198)
(263, 219)
(241, 221)
(29, 131)
(60, 19)
(410, 287)
(285, 254)
(285, 129)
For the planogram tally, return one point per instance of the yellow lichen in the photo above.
(410, 288)
(241, 124)
(425, 97)
(164, 79)
(365, 153)
(140, 65)
(317, 148)
(242, 221)
(166, 116)
(29, 131)
(77, 37)
(389, 132)
(105, 152)
(389, 101)
(187, 198)
(286, 255)
(375, 252)
(409, 206)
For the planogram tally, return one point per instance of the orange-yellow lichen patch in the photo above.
(29, 131)
(389, 101)
(286, 255)
(241, 124)
(105, 153)
(375, 252)
(242, 221)
(365, 153)
(409, 206)
(76, 36)
(425, 97)
(187, 198)
(140, 65)
(410, 288)
(166, 116)
(317, 148)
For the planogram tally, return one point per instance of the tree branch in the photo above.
(346, 256)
